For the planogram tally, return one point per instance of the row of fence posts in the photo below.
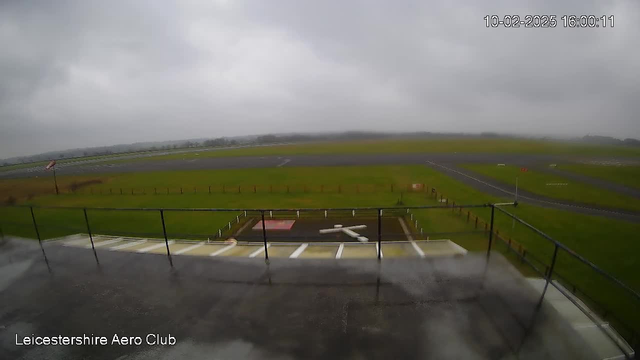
(238, 189)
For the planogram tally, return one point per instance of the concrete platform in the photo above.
(318, 250)
(241, 308)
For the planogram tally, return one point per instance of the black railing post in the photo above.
(166, 241)
(264, 237)
(553, 263)
(379, 234)
(86, 220)
(35, 226)
(493, 208)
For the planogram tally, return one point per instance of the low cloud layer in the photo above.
(91, 73)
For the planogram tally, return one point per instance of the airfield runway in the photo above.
(444, 162)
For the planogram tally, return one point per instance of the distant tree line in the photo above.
(280, 138)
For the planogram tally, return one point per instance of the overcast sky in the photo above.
(91, 73)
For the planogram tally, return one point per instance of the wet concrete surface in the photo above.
(453, 308)
(494, 187)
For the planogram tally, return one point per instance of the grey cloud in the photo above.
(89, 73)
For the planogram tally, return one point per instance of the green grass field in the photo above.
(605, 242)
(624, 174)
(517, 146)
(538, 182)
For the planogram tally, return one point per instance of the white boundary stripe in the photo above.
(75, 242)
(381, 254)
(220, 251)
(259, 251)
(189, 248)
(103, 243)
(410, 238)
(456, 246)
(154, 246)
(129, 244)
(529, 198)
(283, 163)
(340, 250)
(298, 251)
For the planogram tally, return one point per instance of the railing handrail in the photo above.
(254, 209)
(574, 254)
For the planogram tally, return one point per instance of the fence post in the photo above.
(131, 191)
(254, 189)
(209, 189)
(86, 220)
(195, 190)
(166, 241)
(468, 216)
(493, 208)
(264, 238)
(239, 189)
(155, 191)
(35, 226)
(453, 207)
(379, 234)
(181, 190)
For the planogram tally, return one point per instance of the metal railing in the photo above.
(548, 273)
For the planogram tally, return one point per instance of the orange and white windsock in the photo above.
(52, 163)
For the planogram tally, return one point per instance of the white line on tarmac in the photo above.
(189, 248)
(526, 197)
(410, 238)
(74, 242)
(298, 251)
(216, 253)
(259, 251)
(340, 250)
(283, 163)
(153, 247)
(129, 244)
(103, 243)
(381, 254)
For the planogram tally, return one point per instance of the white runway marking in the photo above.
(259, 251)
(103, 243)
(410, 238)
(74, 242)
(381, 254)
(283, 163)
(129, 244)
(153, 247)
(298, 251)
(340, 250)
(216, 253)
(188, 248)
(526, 197)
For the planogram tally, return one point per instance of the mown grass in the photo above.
(608, 243)
(623, 174)
(517, 146)
(538, 182)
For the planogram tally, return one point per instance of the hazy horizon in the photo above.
(78, 74)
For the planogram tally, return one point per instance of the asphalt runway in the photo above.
(447, 164)
(471, 307)
(247, 162)
(497, 188)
